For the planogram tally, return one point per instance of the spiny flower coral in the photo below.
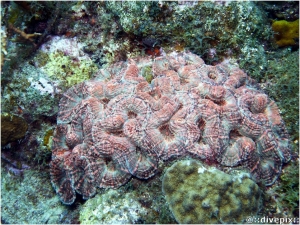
(118, 125)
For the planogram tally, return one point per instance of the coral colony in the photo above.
(118, 125)
(200, 195)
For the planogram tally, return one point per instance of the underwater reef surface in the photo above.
(48, 47)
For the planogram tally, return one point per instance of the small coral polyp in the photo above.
(118, 125)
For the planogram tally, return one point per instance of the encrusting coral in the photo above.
(286, 32)
(118, 125)
(199, 195)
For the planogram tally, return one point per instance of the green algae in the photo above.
(64, 69)
(282, 78)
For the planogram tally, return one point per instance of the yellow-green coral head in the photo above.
(286, 32)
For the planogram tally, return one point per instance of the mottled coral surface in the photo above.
(118, 125)
(197, 195)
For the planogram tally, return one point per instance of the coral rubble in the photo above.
(118, 125)
(199, 195)
(112, 208)
(137, 202)
(30, 200)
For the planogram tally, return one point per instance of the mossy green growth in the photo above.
(68, 71)
(201, 195)
(289, 186)
(147, 73)
(19, 92)
(283, 86)
(41, 59)
(37, 104)
(14, 13)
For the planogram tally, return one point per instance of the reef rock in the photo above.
(13, 128)
(112, 207)
(118, 125)
(199, 195)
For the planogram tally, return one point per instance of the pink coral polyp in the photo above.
(118, 125)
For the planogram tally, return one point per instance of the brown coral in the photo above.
(118, 125)
(13, 128)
